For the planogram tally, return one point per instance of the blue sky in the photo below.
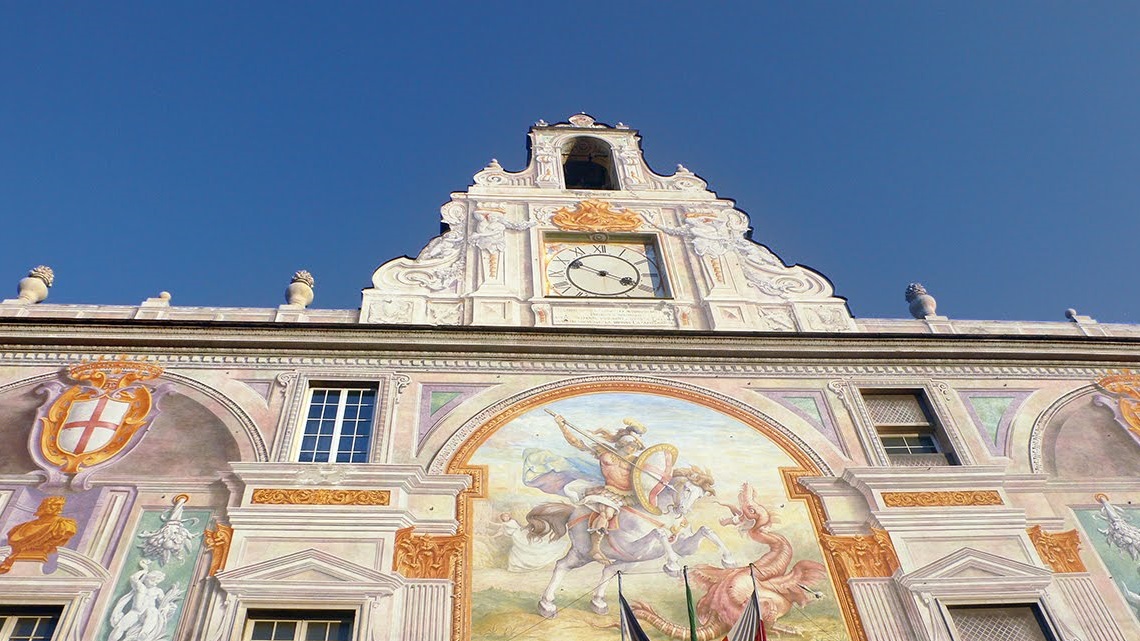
(989, 150)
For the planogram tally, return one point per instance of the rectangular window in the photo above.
(338, 425)
(909, 434)
(1008, 623)
(28, 623)
(293, 625)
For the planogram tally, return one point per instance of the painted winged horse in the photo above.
(640, 535)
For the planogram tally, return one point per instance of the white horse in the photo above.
(639, 536)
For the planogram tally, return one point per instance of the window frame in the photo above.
(296, 386)
(10, 614)
(933, 393)
(1040, 612)
(304, 616)
(930, 429)
(338, 423)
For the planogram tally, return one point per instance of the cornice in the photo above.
(238, 340)
(407, 478)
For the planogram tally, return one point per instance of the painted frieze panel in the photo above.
(581, 487)
(1115, 534)
(159, 569)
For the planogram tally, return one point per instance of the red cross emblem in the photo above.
(91, 424)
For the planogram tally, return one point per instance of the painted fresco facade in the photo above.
(568, 383)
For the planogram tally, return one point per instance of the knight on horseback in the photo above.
(617, 466)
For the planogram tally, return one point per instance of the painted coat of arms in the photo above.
(96, 419)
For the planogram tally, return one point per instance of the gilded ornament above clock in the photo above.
(596, 215)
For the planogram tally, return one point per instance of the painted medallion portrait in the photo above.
(581, 488)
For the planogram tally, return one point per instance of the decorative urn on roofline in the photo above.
(34, 287)
(300, 289)
(922, 305)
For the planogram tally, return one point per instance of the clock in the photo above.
(604, 266)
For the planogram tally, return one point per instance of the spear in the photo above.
(604, 445)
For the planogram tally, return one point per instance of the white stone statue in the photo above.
(490, 236)
(712, 235)
(145, 612)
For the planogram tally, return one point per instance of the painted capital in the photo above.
(871, 555)
(1060, 550)
(426, 556)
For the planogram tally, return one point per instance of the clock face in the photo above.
(610, 269)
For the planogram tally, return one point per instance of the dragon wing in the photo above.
(704, 576)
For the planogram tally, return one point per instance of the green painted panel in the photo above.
(439, 399)
(807, 405)
(989, 410)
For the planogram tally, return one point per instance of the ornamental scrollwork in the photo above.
(441, 263)
(286, 496)
(960, 498)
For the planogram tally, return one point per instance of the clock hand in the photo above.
(624, 280)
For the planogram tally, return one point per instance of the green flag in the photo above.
(692, 606)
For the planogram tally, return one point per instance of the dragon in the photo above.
(727, 590)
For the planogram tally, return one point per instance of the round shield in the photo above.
(651, 474)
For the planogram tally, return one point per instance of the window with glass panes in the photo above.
(298, 626)
(905, 427)
(28, 624)
(338, 425)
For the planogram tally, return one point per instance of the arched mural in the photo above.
(577, 483)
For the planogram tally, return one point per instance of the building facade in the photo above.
(594, 370)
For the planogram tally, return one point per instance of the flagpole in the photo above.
(689, 606)
(763, 636)
(621, 623)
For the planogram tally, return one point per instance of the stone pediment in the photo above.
(308, 570)
(68, 575)
(654, 251)
(969, 570)
(68, 564)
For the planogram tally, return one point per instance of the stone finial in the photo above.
(1075, 317)
(162, 300)
(582, 119)
(300, 289)
(922, 305)
(34, 287)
